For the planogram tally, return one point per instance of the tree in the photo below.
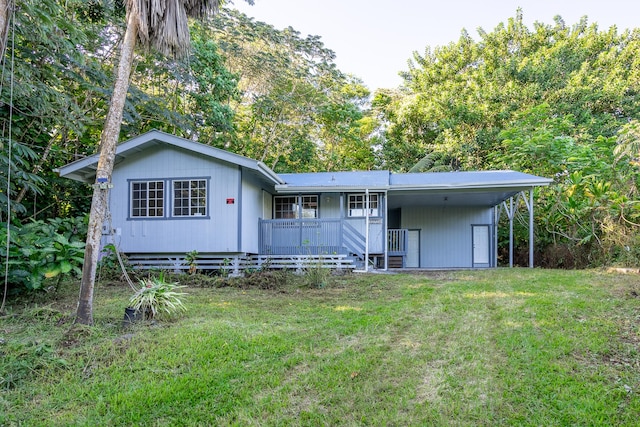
(5, 9)
(549, 100)
(297, 111)
(629, 142)
(158, 24)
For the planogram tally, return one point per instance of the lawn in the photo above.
(496, 347)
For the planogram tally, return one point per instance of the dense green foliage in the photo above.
(41, 253)
(497, 348)
(557, 101)
(297, 111)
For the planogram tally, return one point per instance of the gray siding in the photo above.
(217, 233)
(329, 205)
(267, 205)
(252, 209)
(445, 234)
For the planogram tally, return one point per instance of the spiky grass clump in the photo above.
(157, 296)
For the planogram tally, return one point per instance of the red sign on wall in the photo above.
(231, 201)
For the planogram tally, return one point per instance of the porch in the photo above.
(358, 238)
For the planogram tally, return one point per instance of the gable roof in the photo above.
(84, 170)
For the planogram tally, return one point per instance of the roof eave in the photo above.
(327, 189)
(267, 171)
(483, 186)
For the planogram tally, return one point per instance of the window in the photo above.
(190, 197)
(286, 207)
(309, 206)
(294, 206)
(147, 199)
(358, 202)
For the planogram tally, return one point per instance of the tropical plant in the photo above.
(191, 259)
(42, 250)
(156, 296)
(629, 142)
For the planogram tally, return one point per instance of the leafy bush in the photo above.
(40, 251)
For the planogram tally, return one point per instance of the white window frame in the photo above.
(305, 206)
(356, 205)
(146, 202)
(189, 201)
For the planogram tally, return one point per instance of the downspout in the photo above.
(366, 231)
(299, 218)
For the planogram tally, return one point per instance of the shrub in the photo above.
(40, 251)
(156, 296)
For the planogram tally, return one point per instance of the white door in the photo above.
(413, 249)
(481, 244)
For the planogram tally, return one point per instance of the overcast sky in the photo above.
(374, 39)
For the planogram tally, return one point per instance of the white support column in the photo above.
(366, 230)
(496, 219)
(531, 228)
(386, 232)
(529, 203)
(511, 213)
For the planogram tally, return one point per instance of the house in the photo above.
(171, 196)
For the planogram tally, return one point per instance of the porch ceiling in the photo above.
(479, 188)
(464, 197)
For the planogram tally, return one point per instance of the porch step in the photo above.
(395, 262)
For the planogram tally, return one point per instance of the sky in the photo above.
(374, 39)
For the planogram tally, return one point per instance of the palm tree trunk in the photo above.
(5, 10)
(108, 144)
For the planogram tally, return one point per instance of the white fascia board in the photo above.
(481, 186)
(315, 189)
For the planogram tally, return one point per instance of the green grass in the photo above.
(500, 347)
